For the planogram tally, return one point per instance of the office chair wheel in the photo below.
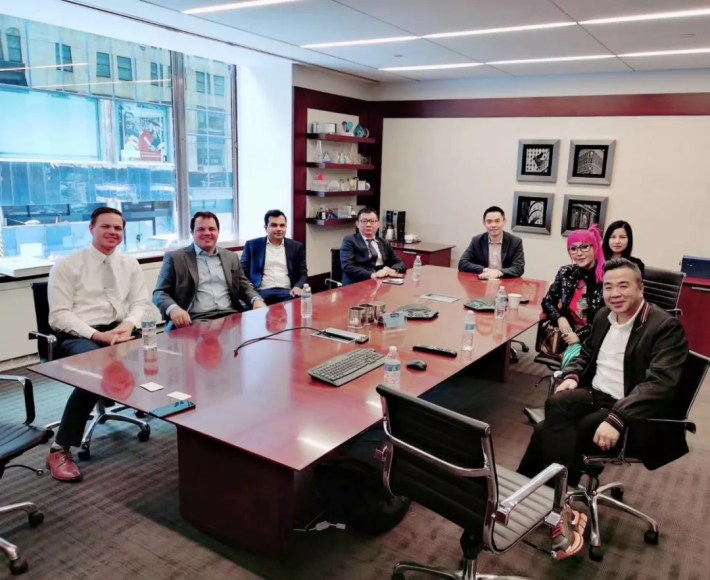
(18, 566)
(617, 493)
(84, 454)
(143, 435)
(35, 519)
(514, 356)
(596, 553)
(651, 537)
(141, 414)
(524, 347)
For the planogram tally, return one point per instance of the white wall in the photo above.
(318, 79)
(445, 172)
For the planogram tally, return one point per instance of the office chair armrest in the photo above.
(332, 283)
(553, 471)
(50, 339)
(689, 425)
(28, 392)
(675, 312)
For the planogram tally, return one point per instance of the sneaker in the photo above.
(568, 534)
(62, 467)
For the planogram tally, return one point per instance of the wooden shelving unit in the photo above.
(340, 138)
(352, 192)
(331, 223)
(344, 166)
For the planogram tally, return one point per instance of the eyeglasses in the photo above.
(369, 221)
(579, 248)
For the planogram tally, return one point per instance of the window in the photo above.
(200, 79)
(62, 54)
(155, 74)
(14, 45)
(2, 56)
(103, 65)
(219, 85)
(125, 68)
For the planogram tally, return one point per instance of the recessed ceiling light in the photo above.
(234, 6)
(667, 52)
(687, 35)
(360, 42)
(653, 16)
(432, 66)
(553, 59)
(499, 30)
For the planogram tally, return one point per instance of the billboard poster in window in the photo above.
(142, 132)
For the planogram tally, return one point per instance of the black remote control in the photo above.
(435, 350)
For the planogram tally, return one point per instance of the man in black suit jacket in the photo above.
(495, 254)
(275, 264)
(202, 281)
(364, 255)
(628, 370)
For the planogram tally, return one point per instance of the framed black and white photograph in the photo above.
(591, 162)
(537, 159)
(532, 212)
(581, 211)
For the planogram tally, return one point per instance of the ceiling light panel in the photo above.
(431, 16)
(606, 65)
(244, 5)
(366, 42)
(446, 66)
(500, 30)
(529, 44)
(704, 12)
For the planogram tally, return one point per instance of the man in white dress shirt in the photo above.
(97, 297)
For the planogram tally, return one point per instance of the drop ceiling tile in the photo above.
(571, 40)
(670, 62)
(571, 67)
(654, 35)
(585, 10)
(479, 72)
(412, 53)
(432, 16)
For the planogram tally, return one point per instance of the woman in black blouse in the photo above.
(619, 243)
(576, 294)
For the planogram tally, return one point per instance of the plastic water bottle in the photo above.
(148, 327)
(469, 331)
(417, 269)
(306, 302)
(393, 368)
(501, 302)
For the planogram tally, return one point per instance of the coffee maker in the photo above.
(395, 219)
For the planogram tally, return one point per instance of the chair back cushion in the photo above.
(15, 439)
(448, 437)
(662, 287)
(39, 294)
(336, 268)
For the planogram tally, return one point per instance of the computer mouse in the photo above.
(417, 365)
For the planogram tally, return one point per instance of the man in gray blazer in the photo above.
(202, 281)
(495, 254)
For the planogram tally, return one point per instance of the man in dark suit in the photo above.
(275, 264)
(628, 370)
(202, 281)
(495, 254)
(365, 255)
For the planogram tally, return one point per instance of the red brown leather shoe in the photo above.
(62, 466)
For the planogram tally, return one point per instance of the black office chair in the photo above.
(46, 347)
(14, 441)
(662, 288)
(552, 362)
(445, 462)
(336, 270)
(696, 367)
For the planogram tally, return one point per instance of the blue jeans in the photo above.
(274, 295)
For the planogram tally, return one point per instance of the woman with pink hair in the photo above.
(576, 294)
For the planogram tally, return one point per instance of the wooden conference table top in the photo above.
(263, 401)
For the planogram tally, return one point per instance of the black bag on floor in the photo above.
(354, 494)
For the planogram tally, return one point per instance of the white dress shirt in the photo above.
(89, 288)
(495, 250)
(609, 377)
(275, 267)
(212, 291)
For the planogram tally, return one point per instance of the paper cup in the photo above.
(514, 301)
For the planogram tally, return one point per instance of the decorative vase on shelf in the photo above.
(319, 152)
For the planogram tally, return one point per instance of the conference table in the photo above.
(246, 451)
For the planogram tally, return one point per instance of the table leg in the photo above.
(236, 497)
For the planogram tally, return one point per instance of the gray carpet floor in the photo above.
(123, 520)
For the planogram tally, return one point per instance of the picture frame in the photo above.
(537, 160)
(591, 161)
(532, 212)
(581, 211)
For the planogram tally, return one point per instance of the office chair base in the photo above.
(17, 563)
(467, 572)
(99, 417)
(535, 414)
(594, 495)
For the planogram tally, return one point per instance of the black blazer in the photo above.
(653, 364)
(475, 258)
(254, 257)
(356, 262)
